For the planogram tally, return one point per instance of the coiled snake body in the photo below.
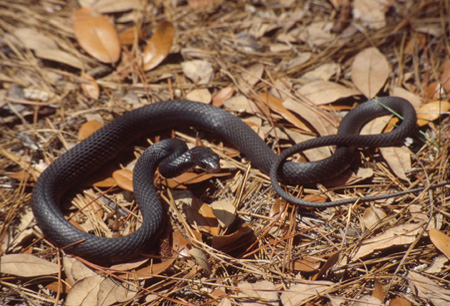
(86, 157)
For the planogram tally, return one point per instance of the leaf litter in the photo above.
(291, 70)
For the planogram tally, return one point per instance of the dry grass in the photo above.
(42, 108)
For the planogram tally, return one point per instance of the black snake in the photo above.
(89, 155)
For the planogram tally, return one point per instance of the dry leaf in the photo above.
(405, 94)
(128, 36)
(225, 212)
(59, 56)
(440, 240)
(75, 270)
(257, 294)
(370, 12)
(195, 4)
(124, 179)
(399, 160)
(200, 95)
(308, 264)
(97, 290)
(96, 35)
(378, 291)
(114, 6)
(313, 154)
(431, 111)
(250, 76)
(332, 260)
(400, 302)
(159, 45)
(34, 40)
(90, 86)
(403, 234)
(276, 105)
(427, 289)
(228, 243)
(221, 96)
(300, 293)
(319, 123)
(370, 70)
(26, 265)
(367, 300)
(201, 259)
(445, 76)
(238, 104)
(198, 71)
(88, 128)
(434, 91)
(372, 216)
(324, 92)
(322, 73)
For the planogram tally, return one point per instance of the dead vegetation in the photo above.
(291, 70)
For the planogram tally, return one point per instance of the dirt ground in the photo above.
(289, 69)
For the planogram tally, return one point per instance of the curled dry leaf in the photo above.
(26, 265)
(441, 241)
(159, 45)
(372, 215)
(370, 70)
(431, 111)
(96, 35)
(244, 236)
(427, 289)
(90, 86)
(308, 264)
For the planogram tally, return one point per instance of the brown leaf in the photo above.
(370, 13)
(370, 71)
(372, 216)
(332, 260)
(400, 302)
(90, 86)
(59, 56)
(124, 179)
(222, 95)
(276, 105)
(300, 293)
(227, 243)
(431, 111)
(225, 212)
(114, 6)
(427, 289)
(445, 76)
(159, 45)
(34, 40)
(259, 293)
(324, 92)
(190, 178)
(200, 95)
(26, 265)
(399, 160)
(88, 128)
(378, 291)
(195, 4)
(96, 35)
(403, 234)
(434, 91)
(308, 264)
(128, 36)
(440, 240)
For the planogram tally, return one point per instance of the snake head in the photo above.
(208, 161)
